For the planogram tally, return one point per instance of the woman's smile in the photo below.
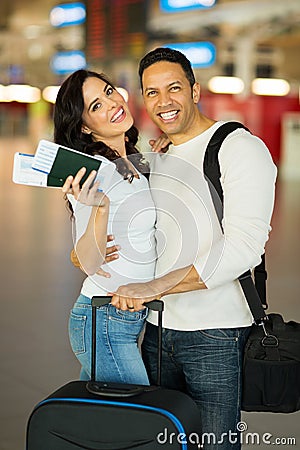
(119, 116)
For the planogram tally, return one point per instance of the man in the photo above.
(206, 319)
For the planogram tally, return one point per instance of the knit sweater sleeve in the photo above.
(248, 177)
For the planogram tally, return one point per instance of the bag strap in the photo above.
(255, 293)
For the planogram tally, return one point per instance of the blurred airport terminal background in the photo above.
(245, 54)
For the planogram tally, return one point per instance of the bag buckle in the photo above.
(269, 340)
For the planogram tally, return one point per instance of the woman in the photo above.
(92, 117)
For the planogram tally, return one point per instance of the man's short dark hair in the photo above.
(170, 55)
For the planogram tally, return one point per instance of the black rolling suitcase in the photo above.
(109, 416)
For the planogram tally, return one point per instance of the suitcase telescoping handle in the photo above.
(118, 389)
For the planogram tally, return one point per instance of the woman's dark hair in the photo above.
(68, 112)
(170, 55)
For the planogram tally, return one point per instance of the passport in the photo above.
(53, 163)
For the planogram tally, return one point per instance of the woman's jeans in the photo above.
(118, 357)
(207, 365)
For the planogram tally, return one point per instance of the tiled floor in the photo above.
(39, 284)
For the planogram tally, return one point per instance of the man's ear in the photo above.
(196, 92)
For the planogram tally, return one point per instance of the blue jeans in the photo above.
(118, 358)
(207, 365)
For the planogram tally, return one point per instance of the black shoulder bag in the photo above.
(271, 369)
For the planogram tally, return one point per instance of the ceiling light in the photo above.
(50, 93)
(32, 31)
(67, 14)
(201, 54)
(67, 61)
(22, 93)
(35, 51)
(4, 94)
(226, 85)
(180, 5)
(270, 86)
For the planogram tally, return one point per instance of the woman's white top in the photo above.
(131, 220)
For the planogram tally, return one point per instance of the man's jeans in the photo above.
(207, 365)
(118, 357)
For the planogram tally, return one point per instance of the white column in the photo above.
(245, 61)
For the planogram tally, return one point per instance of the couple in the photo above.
(206, 319)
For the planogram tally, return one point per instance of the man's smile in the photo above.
(169, 116)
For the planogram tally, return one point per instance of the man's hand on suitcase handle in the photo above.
(134, 296)
(125, 297)
(100, 300)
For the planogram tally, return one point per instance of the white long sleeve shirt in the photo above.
(188, 230)
(131, 220)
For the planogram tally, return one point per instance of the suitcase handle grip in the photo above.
(117, 390)
(154, 305)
